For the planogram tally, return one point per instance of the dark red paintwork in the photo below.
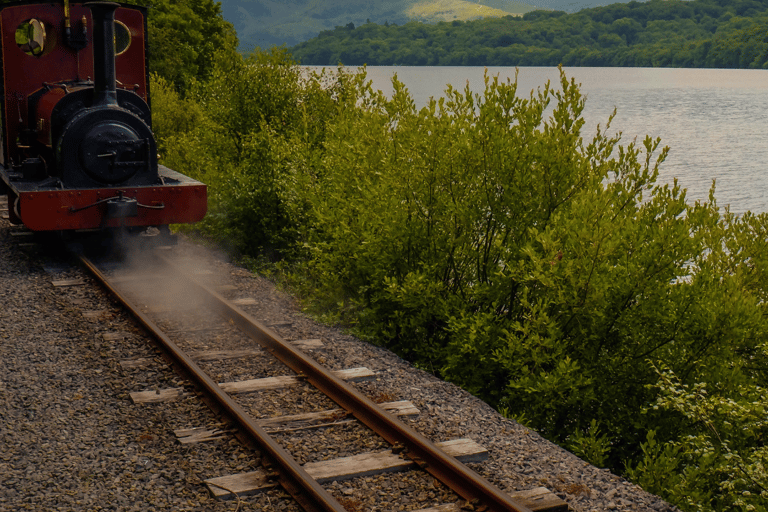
(24, 74)
(54, 210)
(43, 207)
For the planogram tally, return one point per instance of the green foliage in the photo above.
(246, 132)
(697, 33)
(487, 239)
(173, 114)
(720, 462)
(590, 445)
(184, 37)
(658, 468)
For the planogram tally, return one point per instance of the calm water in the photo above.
(714, 121)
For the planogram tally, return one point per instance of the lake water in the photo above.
(715, 121)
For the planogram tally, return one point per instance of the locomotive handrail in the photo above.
(156, 207)
(48, 86)
(119, 197)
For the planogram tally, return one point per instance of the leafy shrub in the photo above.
(485, 239)
(720, 461)
(246, 132)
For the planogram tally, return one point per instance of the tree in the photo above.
(674, 28)
(627, 28)
(184, 36)
(244, 132)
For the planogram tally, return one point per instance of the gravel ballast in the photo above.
(71, 439)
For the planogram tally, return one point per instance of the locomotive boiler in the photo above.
(78, 150)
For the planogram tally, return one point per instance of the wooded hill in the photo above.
(266, 23)
(698, 33)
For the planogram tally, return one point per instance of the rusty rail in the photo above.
(458, 477)
(293, 478)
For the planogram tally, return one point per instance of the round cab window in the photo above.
(122, 38)
(31, 37)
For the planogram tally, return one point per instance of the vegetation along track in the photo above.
(72, 438)
(183, 314)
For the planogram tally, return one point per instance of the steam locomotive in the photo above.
(78, 152)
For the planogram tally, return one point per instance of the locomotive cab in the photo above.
(78, 151)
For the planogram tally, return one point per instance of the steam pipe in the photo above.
(105, 87)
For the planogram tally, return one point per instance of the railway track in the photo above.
(74, 366)
(231, 360)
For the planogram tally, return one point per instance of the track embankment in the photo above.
(72, 438)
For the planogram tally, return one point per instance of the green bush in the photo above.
(719, 462)
(487, 240)
(246, 132)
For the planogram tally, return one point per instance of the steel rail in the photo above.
(291, 475)
(458, 477)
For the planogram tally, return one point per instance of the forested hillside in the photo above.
(266, 23)
(697, 33)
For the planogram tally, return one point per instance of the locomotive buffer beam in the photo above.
(175, 199)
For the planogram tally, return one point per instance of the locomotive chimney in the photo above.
(105, 90)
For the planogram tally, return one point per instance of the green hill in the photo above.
(657, 33)
(265, 23)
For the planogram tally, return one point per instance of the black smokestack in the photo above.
(105, 91)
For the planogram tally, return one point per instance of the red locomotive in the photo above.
(78, 150)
